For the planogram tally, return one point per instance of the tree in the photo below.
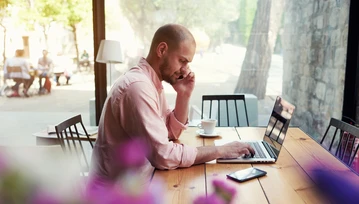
(41, 13)
(211, 15)
(75, 12)
(255, 67)
(4, 13)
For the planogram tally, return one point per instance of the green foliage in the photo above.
(211, 16)
(76, 11)
(4, 9)
(242, 26)
(46, 11)
(247, 12)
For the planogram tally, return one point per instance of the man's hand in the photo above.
(230, 150)
(185, 85)
(235, 149)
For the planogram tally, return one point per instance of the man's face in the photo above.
(44, 53)
(174, 60)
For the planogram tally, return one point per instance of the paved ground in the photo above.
(20, 117)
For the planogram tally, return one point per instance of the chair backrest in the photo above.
(13, 72)
(346, 139)
(227, 108)
(68, 131)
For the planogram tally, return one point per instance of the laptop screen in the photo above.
(278, 124)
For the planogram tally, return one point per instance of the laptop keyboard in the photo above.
(259, 152)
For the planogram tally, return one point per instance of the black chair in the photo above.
(275, 127)
(227, 108)
(69, 132)
(347, 142)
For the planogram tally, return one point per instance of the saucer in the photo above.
(201, 133)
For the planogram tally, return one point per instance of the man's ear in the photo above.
(162, 49)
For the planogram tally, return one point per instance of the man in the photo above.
(136, 108)
(44, 66)
(18, 69)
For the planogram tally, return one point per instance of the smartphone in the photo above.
(246, 174)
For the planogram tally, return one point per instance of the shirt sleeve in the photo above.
(138, 110)
(175, 127)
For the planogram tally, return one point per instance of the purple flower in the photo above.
(45, 198)
(100, 191)
(223, 190)
(132, 153)
(211, 199)
(336, 187)
(223, 194)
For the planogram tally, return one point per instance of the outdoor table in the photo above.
(289, 180)
(44, 138)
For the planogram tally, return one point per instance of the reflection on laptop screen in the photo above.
(278, 124)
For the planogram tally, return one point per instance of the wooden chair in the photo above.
(347, 141)
(69, 132)
(227, 108)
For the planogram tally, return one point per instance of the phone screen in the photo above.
(246, 174)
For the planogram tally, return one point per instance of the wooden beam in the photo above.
(98, 12)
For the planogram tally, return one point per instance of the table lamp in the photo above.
(109, 52)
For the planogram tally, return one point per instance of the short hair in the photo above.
(172, 34)
(20, 52)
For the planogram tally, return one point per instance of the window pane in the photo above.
(295, 49)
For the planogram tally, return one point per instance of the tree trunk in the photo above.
(256, 64)
(4, 48)
(44, 31)
(74, 31)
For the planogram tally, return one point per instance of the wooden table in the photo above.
(44, 138)
(289, 180)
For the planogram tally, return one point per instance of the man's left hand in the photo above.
(185, 85)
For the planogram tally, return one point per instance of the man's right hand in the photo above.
(235, 149)
(229, 150)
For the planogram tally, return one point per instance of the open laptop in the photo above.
(268, 149)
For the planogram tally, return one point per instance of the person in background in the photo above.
(136, 108)
(44, 69)
(85, 59)
(62, 66)
(18, 69)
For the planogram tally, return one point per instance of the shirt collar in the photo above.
(150, 72)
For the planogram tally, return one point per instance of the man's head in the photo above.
(19, 53)
(172, 48)
(44, 53)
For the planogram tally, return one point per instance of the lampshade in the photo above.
(109, 52)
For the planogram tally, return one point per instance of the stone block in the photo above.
(329, 96)
(314, 105)
(318, 73)
(340, 56)
(303, 83)
(319, 22)
(333, 18)
(320, 90)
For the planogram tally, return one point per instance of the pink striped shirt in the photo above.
(136, 107)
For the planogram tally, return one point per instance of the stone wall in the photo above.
(315, 45)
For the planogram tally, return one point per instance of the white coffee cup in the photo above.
(208, 125)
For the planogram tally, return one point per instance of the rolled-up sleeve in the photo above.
(141, 116)
(174, 127)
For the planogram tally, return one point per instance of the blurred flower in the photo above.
(223, 190)
(111, 193)
(211, 199)
(223, 194)
(336, 187)
(132, 153)
(19, 185)
(44, 198)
